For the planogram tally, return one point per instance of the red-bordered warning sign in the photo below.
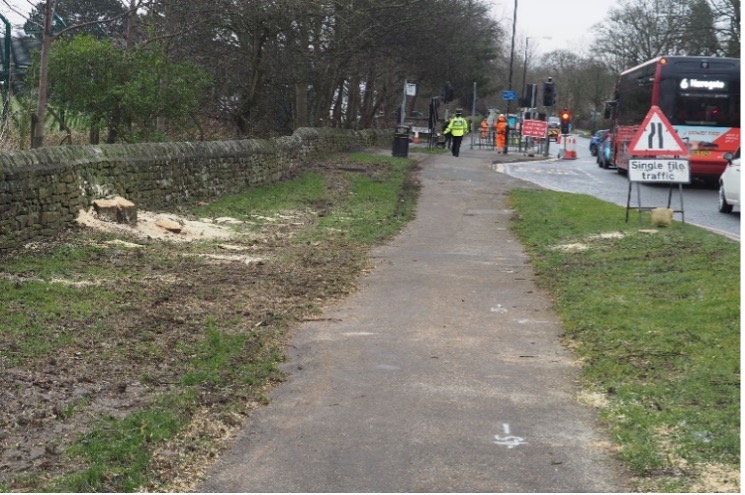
(656, 137)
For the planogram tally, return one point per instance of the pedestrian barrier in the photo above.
(570, 144)
(485, 141)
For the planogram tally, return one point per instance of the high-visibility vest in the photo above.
(458, 126)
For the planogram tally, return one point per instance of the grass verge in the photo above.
(655, 319)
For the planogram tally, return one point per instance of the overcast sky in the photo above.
(567, 22)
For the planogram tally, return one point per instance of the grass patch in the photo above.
(377, 206)
(267, 201)
(655, 318)
(117, 453)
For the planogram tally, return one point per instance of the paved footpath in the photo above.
(443, 373)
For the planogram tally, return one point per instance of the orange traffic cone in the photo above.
(416, 137)
(571, 153)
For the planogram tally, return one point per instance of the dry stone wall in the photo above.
(42, 190)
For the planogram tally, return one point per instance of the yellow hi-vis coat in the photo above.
(457, 127)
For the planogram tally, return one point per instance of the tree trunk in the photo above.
(301, 105)
(37, 137)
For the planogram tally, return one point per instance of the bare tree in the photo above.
(728, 25)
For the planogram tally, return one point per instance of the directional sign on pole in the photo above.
(656, 137)
(508, 95)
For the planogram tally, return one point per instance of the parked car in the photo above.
(554, 128)
(596, 140)
(729, 184)
(605, 149)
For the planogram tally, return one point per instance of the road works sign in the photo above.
(666, 170)
(535, 128)
(656, 137)
(664, 156)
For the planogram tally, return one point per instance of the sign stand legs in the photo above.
(670, 199)
(641, 208)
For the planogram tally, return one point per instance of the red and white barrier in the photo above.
(570, 148)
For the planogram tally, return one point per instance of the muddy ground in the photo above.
(243, 276)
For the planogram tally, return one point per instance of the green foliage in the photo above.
(158, 88)
(126, 91)
(83, 74)
(655, 319)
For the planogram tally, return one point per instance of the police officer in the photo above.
(457, 128)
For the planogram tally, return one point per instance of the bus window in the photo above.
(709, 110)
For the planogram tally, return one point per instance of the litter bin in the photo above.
(401, 141)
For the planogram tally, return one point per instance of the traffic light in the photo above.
(527, 99)
(447, 93)
(565, 117)
(549, 93)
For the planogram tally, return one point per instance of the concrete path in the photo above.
(444, 373)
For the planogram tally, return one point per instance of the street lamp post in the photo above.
(512, 54)
(525, 57)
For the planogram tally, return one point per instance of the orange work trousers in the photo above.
(501, 138)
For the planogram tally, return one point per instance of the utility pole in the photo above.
(509, 81)
(512, 55)
(37, 134)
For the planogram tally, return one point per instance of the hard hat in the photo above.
(458, 111)
(501, 116)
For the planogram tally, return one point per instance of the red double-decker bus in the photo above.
(700, 96)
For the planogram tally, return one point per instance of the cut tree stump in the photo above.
(116, 210)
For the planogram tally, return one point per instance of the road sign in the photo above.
(656, 137)
(509, 95)
(667, 171)
(535, 128)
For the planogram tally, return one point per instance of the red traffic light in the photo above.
(566, 115)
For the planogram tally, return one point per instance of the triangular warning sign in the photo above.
(656, 137)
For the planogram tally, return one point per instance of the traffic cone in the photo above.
(571, 153)
(416, 137)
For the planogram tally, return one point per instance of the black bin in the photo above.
(401, 141)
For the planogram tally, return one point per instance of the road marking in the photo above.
(498, 309)
(508, 440)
